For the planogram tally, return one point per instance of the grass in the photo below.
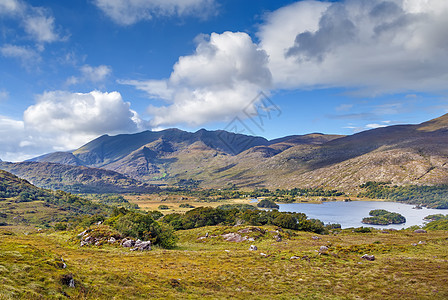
(212, 268)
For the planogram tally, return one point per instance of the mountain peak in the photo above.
(435, 124)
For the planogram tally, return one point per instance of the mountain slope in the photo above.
(75, 179)
(402, 154)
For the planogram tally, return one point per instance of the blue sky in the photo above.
(73, 70)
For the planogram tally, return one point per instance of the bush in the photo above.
(267, 204)
(163, 207)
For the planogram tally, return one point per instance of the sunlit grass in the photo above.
(211, 268)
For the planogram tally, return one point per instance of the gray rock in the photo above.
(112, 240)
(234, 237)
(128, 243)
(142, 246)
(253, 248)
(295, 257)
(323, 249)
(368, 257)
(316, 238)
(420, 231)
(278, 238)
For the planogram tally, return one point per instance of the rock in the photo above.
(420, 231)
(414, 244)
(263, 254)
(305, 257)
(128, 243)
(253, 248)
(251, 239)
(368, 257)
(67, 279)
(112, 240)
(82, 233)
(316, 238)
(278, 238)
(323, 249)
(295, 257)
(142, 246)
(421, 242)
(83, 243)
(206, 235)
(384, 231)
(234, 237)
(99, 223)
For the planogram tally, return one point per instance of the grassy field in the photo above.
(212, 268)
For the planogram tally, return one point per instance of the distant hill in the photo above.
(402, 154)
(75, 179)
(22, 203)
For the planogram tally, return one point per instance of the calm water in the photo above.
(350, 214)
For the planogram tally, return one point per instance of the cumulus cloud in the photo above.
(63, 121)
(37, 22)
(218, 81)
(92, 74)
(127, 12)
(377, 46)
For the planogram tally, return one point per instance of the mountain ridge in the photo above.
(402, 154)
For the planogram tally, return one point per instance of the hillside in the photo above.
(75, 179)
(402, 154)
(22, 203)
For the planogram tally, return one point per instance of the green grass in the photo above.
(211, 268)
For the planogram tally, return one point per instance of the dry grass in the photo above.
(212, 268)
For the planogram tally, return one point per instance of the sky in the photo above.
(71, 71)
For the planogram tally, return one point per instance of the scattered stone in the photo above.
(82, 233)
(142, 246)
(368, 257)
(206, 235)
(67, 279)
(253, 248)
(295, 257)
(421, 242)
(227, 251)
(128, 243)
(251, 239)
(414, 244)
(316, 238)
(263, 254)
(112, 240)
(278, 238)
(323, 249)
(420, 231)
(234, 237)
(386, 232)
(83, 243)
(99, 223)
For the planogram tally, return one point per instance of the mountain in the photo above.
(402, 154)
(75, 179)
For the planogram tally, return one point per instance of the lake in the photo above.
(350, 214)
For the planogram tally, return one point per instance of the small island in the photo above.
(383, 217)
(266, 203)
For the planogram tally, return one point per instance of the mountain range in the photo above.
(401, 154)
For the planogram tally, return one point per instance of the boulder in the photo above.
(295, 257)
(253, 248)
(234, 237)
(323, 249)
(368, 257)
(128, 243)
(316, 238)
(112, 240)
(278, 238)
(420, 231)
(142, 246)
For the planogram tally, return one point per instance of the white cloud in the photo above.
(92, 74)
(375, 125)
(8, 7)
(40, 26)
(222, 77)
(64, 121)
(26, 55)
(37, 22)
(377, 46)
(127, 12)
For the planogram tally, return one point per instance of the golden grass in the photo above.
(212, 268)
